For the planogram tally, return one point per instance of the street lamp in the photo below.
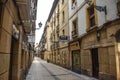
(40, 25)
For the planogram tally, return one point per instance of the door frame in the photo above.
(13, 43)
(95, 62)
(73, 60)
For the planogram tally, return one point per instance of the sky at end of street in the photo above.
(43, 10)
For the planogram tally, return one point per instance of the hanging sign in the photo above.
(101, 8)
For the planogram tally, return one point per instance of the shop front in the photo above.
(75, 56)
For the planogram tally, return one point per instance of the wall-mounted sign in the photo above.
(63, 38)
(15, 32)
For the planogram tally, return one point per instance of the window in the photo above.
(91, 16)
(73, 1)
(62, 1)
(0, 14)
(58, 15)
(63, 16)
(118, 6)
(74, 27)
(54, 21)
(118, 37)
(63, 32)
(57, 35)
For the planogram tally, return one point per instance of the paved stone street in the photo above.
(41, 70)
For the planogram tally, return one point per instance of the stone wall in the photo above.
(106, 52)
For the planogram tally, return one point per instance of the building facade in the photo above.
(64, 33)
(93, 29)
(56, 30)
(15, 50)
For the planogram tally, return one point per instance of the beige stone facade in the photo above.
(14, 59)
(63, 52)
(94, 45)
(107, 53)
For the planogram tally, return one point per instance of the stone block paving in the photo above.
(41, 70)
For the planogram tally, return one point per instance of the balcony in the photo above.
(74, 33)
(27, 13)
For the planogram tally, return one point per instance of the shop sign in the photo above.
(63, 38)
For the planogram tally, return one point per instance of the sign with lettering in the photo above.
(63, 38)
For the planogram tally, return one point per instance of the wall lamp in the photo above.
(98, 35)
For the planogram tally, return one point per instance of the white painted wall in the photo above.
(111, 14)
(111, 11)
(71, 11)
(82, 21)
(81, 14)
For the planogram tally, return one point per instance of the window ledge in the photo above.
(91, 28)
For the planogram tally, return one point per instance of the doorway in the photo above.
(76, 61)
(13, 59)
(118, 53)
(95, 62)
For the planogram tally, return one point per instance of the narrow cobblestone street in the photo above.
(41, 70)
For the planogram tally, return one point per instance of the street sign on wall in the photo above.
(63, 38)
